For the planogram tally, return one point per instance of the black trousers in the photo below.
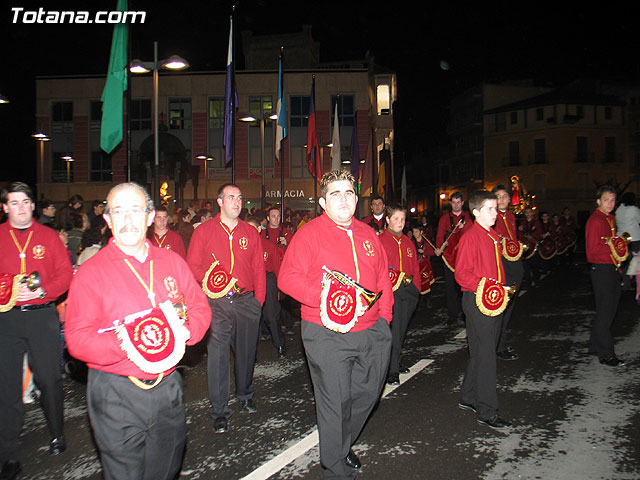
(405, 300)
(36, 332)
(141, 434)
(235, 323)
(605, 280)
(480, 378)
(514, 272)
(348, 372)
(452, 290)
(271, 310)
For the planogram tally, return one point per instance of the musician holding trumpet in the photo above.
(34, 271)
(605, 252)
(405, 281)
(337, 269)
(131, 310)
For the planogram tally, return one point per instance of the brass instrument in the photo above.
(32, 281)
(406, 281)
(370, 296)
(446, 241)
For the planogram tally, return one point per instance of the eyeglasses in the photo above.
(121, 212)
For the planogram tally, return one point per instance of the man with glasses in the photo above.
(126, 319)
(226, 256)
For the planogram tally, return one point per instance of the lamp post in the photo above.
(174, 62)
(262, 119)
(41, 137)
(206, 174)
(68, 159)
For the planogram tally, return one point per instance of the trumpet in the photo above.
(32, 281)
(371, 297)
(406, 281)
(626, 236)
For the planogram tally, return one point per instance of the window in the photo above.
(514, 153)
(514, 118)
(95, 115)
(59, 167)
(100, 167)
(539, 114)
(299, 114)
(346, 109)
(610, 149)
(62, 117)
(141, 114)
(580, 111)
(261, 107)
(216, 112)
(298, 163)
(608, 113)
(180, 113)
(582, 153)
(501, 122)
(539, 150)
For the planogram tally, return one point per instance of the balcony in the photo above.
(612, 157)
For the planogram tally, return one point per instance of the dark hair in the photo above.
(478, 198)
(74, 222)
(203, 212)
(17, 187)
(605, 189)
(254, 220)
(335, 176)
(377, 197)
(628, 198)
(76, 199)
(499, 187)
(374, 225)
(184, 214)
(396, 207)
(456, 195)
(225, 185)
(162, 208)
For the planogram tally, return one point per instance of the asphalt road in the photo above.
(572, 417)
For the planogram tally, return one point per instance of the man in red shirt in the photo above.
(451, 227)
(506, 228)
(479, 259)
(377, 213)
(271, 308)
(235, 308)
(605, 277)
(347, 369)
(163, 237)
(29, 321)
(138, 417)
(403, 260)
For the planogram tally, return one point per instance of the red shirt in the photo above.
(531, 228)
(44, 252)
(273, 234)
(242, 256)
(170, 240)
(506, 225)
(323, 242)
(401, 254)
(272, 256)
(445, 222)
(479, 255)
(599, 225)
(382, 223)
(105, 289)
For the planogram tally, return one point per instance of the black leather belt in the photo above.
(26, 308)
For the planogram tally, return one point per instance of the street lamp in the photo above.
(206, 174)
(68, 159)
(41, 137)
(251, 118)
(174, 62)
(3, 99)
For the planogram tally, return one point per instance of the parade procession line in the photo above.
(281, 460)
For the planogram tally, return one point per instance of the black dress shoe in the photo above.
(57, 445)
(282, 351)
(248, 406)
(393, 379)
(612, 361)
(10, 470)
(352, 460)
(467, 406)
(494, 422)
(220, 425)
(507, 355)
(404, 370)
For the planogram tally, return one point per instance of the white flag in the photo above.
(336, 160)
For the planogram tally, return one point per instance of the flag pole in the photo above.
(280, 145)
(233, 101)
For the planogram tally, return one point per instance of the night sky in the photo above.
(490, 41)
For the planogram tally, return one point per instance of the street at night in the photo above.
(573, 418)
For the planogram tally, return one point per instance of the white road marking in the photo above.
(281, 460)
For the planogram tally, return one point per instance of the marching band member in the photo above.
(405, 281)
(29, 320)
(451, 227)
(226, 255)
(605, 259)
(329, 267)
(377, 216)
(122, 320)
(162, 236)
(512, 251)
(530, 233)
(481, 276)
(425, 249)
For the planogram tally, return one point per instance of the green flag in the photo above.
(115, 86)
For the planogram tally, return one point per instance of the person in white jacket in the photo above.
(628, 220)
